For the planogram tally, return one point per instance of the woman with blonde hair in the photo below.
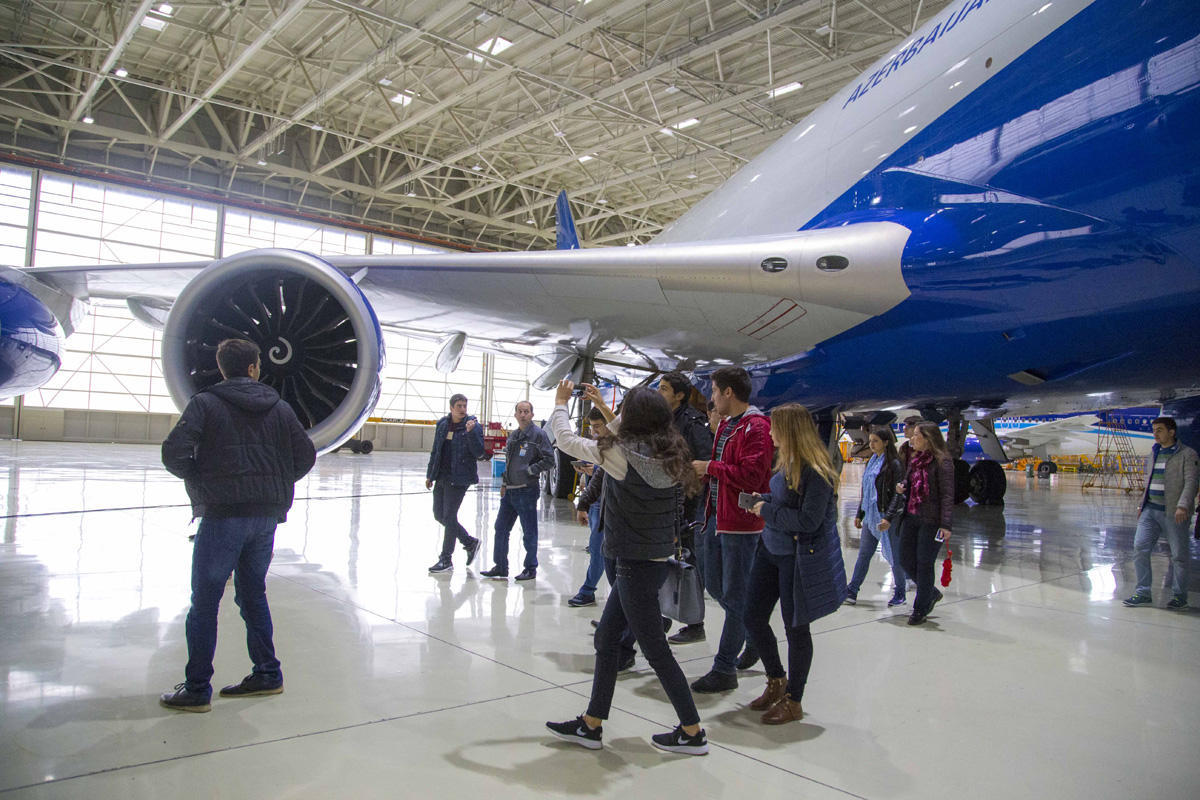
(800, 514)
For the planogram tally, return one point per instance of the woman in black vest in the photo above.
(647, 465)
(800, 508)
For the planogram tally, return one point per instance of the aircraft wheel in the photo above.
(1046, 469)
(366, 447)
(962, 483)
(988, 483)
(560, 478)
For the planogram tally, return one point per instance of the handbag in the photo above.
(682, 595)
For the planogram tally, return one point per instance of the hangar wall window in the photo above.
(111, 362)
(16, 187)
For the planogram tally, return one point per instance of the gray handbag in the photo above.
(682, 594)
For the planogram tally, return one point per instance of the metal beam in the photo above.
(276, 27)
(114, 53)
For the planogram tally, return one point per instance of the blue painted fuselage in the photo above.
(1056, 231)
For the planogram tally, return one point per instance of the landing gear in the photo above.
(559, 480)
(360, 446)
(1046, 468)
(962, 483)
(987, 483)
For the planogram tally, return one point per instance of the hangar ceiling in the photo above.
(453, 120)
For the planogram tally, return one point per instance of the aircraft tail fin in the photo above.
(565, 236)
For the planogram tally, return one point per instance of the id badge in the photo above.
(524, 451)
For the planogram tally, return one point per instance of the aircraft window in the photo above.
(774, 264)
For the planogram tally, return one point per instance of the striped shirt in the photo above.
(1157, 498)
(725, 434)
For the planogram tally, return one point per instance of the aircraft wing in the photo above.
(1050, 434)
(732, 301)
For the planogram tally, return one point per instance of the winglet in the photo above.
(565, 237)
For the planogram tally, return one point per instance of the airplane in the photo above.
(999, 217)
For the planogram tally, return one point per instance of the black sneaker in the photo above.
(580, 600)
(916, 619)
(442, 565)
(254, 685)
(1177, 603)
(495, 573)
(577, 731)
(679, 742)
(183, 700)
(472, 550)
(688, 634)
(527, 574)
(748, 658)
(1138, 600)
(627, 662)
(715, 682)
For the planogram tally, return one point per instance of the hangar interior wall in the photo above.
(110, 387)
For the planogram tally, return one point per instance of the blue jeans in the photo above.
(243, 546)
(867, 545)
(595, 556)
(633, 605)
(517, 503)
(772, 579)
(447, 499)
(726, 570)
(1150, 525)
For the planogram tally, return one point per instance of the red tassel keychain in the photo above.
(946, 567)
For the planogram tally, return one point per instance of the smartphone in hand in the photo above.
(748, 500)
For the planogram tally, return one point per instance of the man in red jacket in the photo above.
(741, 462)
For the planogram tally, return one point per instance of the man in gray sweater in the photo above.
(1172, 471)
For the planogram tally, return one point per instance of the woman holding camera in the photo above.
(646, 465)
(799, 512)
(926, 498)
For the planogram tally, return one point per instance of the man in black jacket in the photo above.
(239, 449)
(694, 427)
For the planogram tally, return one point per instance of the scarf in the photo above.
(918, 479)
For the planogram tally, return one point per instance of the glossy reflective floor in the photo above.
(1030, 681)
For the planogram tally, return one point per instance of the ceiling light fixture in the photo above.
(87, 120)
(262, 163)
(585, 159)
(687, 123)
(402, 99)
(385, 81)
(779, 91)
(121, 72)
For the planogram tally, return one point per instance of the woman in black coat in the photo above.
(879, 480)
(926, 498)
(799, 511)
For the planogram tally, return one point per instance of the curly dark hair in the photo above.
(646, 419)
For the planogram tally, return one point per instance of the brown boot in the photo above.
(786, 710)
(776, 689)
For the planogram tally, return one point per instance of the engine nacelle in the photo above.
(30, 337)
(322, 347)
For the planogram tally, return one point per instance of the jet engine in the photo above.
(30, 336)
(322, 348)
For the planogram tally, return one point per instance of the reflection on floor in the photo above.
(1031, 680)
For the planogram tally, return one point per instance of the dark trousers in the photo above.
(243, 546)
(628, 640)
(772, 579)
(446, 501)
(633, 602)
(517, 504)
(918, 555)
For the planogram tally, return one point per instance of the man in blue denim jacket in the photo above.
(457, 445)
